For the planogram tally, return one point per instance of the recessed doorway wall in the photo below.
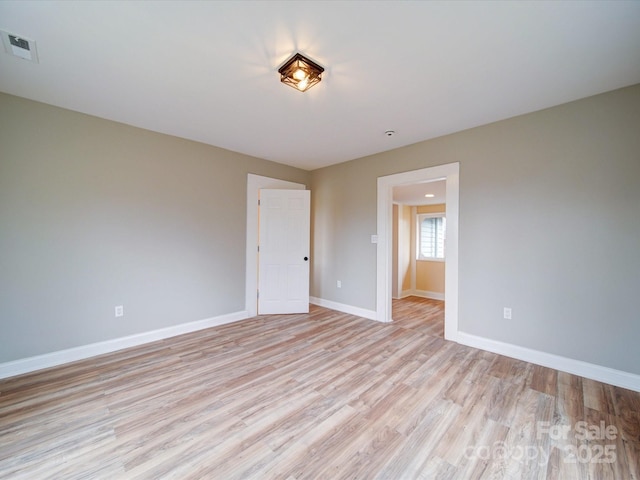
(419, 235)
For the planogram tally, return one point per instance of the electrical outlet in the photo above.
(507, 313)
(339, 284)
(119, 311)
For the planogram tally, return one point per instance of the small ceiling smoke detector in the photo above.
(19, 46)
(390, 133)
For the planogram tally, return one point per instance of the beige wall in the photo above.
(395, 246)
(95, 214)
(401, 256)
(404, 259)
(437, 208)
(532, 189)
(430, 274)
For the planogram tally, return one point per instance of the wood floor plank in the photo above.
(318, 395)
(422, 441)
(544, 380)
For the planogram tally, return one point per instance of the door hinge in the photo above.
(258, 294)
(258, 247)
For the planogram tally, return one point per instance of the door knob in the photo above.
(306, 258)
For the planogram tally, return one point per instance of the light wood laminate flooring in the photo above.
(321, 395)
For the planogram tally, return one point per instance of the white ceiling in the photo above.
(414, 193)
(207, 71)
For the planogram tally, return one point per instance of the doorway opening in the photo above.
(450, 174)
(419, 229)
(420, 314)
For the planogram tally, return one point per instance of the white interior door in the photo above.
(283, 256)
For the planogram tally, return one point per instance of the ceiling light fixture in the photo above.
(429, 195)
(300, 73)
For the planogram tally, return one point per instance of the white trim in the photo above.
(607, 375)
(431, 259)
(421, 293)
(449, 172)
(254, 184)
(341, 307)
(430, 215)
(413, 247)
(428, 294)
(26, 365)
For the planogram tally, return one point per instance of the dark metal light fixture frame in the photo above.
(300, 73)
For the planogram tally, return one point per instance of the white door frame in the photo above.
(450, 173)
(254, 184)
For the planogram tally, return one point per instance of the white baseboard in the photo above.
(341, 307)
(421, 293)
(611, 376)
(428, 294)
(26, 365)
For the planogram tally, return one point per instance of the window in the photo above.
(431, 236)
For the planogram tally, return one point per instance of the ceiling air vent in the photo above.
(19, 46)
